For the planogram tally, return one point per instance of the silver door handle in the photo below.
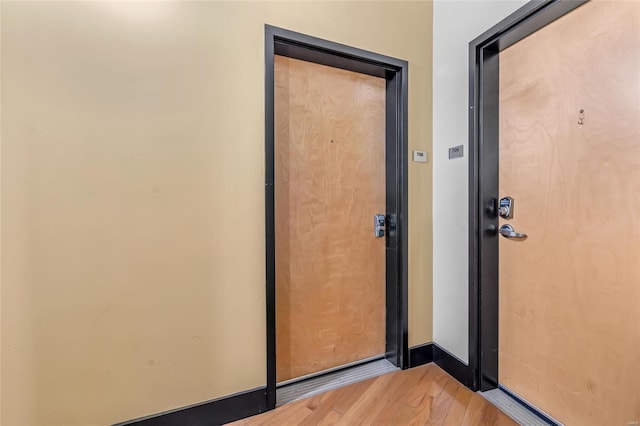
(507, 231)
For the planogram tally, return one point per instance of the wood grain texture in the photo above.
(570, 294)
(424, 395)
(329, 182)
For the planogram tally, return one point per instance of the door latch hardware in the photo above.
(379, 221)
(506, 207)
(507, 231)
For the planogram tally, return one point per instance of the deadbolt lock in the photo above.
(506, 207)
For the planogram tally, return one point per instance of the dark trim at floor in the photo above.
(431, 352)
(245, 404)
(420, 355)
(212, 413)
(452, 365)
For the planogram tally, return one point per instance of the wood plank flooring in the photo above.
(424, 395)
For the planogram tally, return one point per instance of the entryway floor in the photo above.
(417, 396)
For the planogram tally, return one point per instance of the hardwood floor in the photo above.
(424, 395)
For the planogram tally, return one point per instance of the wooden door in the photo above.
(329, 183)
(570, 294)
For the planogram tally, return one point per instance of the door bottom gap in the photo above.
(519, 409)
(307, 386)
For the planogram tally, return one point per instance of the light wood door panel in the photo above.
(329, 182)
(570, 294)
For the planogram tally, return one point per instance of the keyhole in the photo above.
(581, 117)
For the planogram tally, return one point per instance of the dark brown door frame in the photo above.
(484, 75)
(395, 71)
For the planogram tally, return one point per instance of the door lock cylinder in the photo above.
(506, 207)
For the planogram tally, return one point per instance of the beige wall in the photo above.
(133, 197)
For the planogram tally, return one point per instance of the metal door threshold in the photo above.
(333, 380)
(518, 409)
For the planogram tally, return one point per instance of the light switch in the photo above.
(420, 156)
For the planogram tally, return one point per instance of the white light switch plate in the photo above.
(420, 156)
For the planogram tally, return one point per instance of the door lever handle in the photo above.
(507, 231)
